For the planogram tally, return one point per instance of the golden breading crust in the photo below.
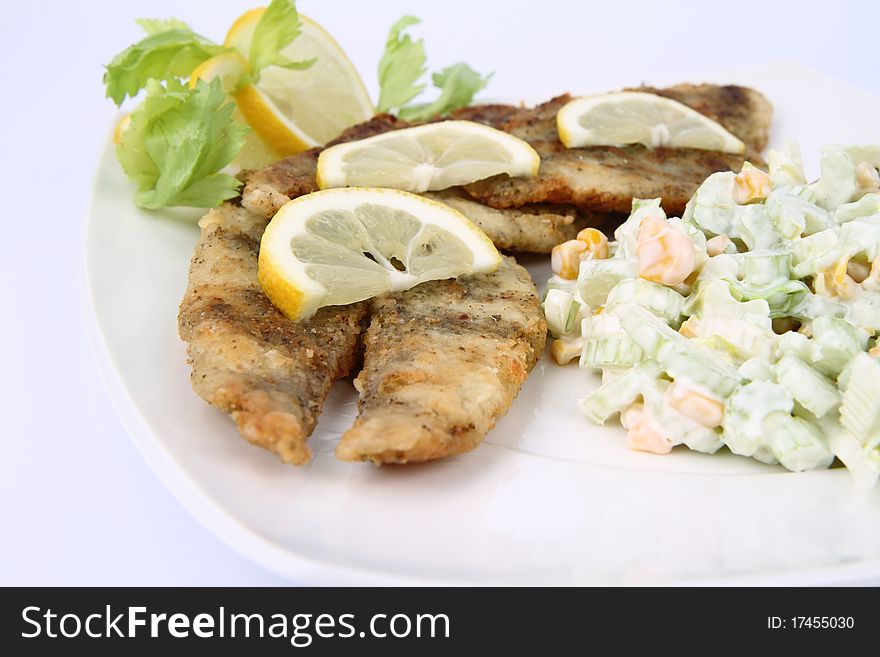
(443, 362)
(594, 180)
(607, 178)
(270, 374)
(528, 229)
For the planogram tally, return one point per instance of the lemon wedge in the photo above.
(635, 117)
(294, 110)
(231, 68)
(344, 245)
(121, 126)
(427, 157)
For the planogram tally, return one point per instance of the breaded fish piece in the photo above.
(265, 190)
(443, 362)
(532, 229)
(607, 178)
(270, 374)
(598, 179)
(528, 229)
(744, 112)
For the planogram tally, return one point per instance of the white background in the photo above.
(77, 504)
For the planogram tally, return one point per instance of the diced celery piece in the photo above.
(677, 355)
(864, 469)
(818, 251)
(864, 313)
(746, 411)
(835, 343)
(765, 267)
(714, 209)
(606, 344)
(793, 215)
(746, 339)
(863, 236)
(756, 369)
(659, 299)
(860, 410)
(797, 444)
(837, 182)
(561, 310)
(869, 153)
(866, 206)
(714, 298)
(786, 166)
(721, 266)
(785, 298)
(792, 342)
(597, 277)
(618, 393)
(755, 228)
(807, 386)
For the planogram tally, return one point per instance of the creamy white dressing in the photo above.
(792, 253)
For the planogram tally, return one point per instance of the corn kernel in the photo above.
(631, 414)
(597, 243)
(858, 271)
(874, 352)
(690, 328)
(874, 276)
(718, 245)
(643, 433)
(564, 351)
(867, 178)
(565, 259)
(841, 284)
(697, 406)
(751, 186)
(666, 255)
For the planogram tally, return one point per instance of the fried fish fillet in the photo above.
(743, 111)
(528, 229)
(607, 178)
(443, 362)
(533, 229)
(595, 180)
(270, 374)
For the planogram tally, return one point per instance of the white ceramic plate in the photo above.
(549, 499)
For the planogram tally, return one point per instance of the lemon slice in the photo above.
(231, 67)
(427, 157)
(295, 110)
(121, 126)
(345, 245)
(635, 117)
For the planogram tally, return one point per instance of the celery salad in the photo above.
(750, 322)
